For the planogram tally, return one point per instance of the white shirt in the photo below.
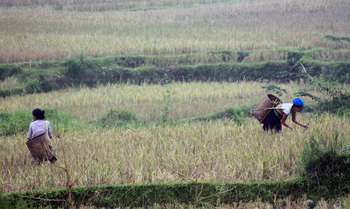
(39, 127)
(285, 107)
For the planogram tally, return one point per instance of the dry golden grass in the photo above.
(147, 101)
(214, 151)
(219, 151)
(249, 25)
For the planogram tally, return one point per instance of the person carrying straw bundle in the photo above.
(272, 113)
(39, 138)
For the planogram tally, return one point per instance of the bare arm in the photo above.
(294, 119)
(283, 121)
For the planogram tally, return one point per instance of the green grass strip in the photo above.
(149, 194)
(89, 72)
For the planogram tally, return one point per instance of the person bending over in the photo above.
(278, 116)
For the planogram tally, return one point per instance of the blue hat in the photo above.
(298, 102)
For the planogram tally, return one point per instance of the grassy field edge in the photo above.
(195, 193)
(89, 72)
(148, 194)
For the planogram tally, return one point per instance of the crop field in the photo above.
(41, 30)
(214, 150)
(150, 103)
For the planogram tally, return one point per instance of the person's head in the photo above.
(298, 105)
(38, 114)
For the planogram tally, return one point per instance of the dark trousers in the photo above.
(272, 122)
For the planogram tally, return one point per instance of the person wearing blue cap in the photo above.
(277, 117)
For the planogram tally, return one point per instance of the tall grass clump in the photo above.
(237, 115)
(115, 118)
(40, 80)
(331, 96)
(8, 70)
(325, 165)
(167, 106)
(3, 202)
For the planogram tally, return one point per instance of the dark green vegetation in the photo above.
(235, 114)
(8, 70)
(143, 195)
(335, 98)
(50, 76)
(326, 166)
(118, 118)
(14, 123)
(337, 39)
(325, 173)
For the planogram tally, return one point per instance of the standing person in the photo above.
(278, 116)
(39, 137)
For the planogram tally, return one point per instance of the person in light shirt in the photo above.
(39, 126)
(39, 137)
(278, 116)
